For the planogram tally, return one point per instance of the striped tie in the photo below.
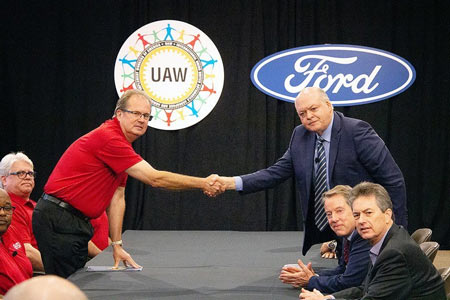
(320, 186)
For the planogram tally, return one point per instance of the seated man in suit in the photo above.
(353, 262)
(398, 268)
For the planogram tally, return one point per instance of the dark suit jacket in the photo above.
(357, 154)
(401, 271)
(344, 276)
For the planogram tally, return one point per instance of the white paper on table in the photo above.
(112, 269)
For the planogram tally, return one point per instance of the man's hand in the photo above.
(291, 275)
(314, 295)
(326, 252)
(213, 186)
(119, 254)
(307, 270)
(228, 182)
(297, 276)
(329, 255)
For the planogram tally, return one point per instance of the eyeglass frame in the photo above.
(8, 211)
(138, 114)
(23, 174)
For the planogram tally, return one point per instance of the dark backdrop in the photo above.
(56, 69)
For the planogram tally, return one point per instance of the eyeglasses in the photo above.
(23, 174)
(138, 114)
(7, 209)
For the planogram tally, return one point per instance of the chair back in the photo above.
(445, 274)
(430, 249)
(422, 235)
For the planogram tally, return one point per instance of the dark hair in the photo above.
(382, 197)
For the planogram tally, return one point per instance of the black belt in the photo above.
(66, 206)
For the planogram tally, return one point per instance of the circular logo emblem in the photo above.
(178, 66)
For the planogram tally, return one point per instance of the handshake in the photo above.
(215, 185)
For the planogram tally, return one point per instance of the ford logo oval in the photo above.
(350, 75)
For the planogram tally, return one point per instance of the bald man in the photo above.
(326, 150)
(48, 287)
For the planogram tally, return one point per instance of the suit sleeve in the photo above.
(350, 293)
(350, 276)
(379, 163)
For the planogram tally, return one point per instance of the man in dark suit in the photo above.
(354, 260)
(398, 268)
(353, 153)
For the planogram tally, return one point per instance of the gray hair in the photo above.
(382, 197)
(342, 190)
(322, 93)
(123, 100)
(9, 159)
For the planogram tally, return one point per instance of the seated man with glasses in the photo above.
(14, 264)
(17, 178)
(90, 178)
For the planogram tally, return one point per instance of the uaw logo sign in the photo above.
(178, 66)
(350, 75)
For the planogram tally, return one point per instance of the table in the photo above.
(200, 265)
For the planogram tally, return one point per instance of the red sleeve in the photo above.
(119, 155)
(123, 180)
(101, 231)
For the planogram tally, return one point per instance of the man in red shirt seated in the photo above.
(17, 178)
(14, 264)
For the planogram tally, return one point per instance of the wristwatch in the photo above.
(332, 245)
(120, 243)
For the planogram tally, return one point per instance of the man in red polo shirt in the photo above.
(14, 264)
(90, 178)
(17, 178)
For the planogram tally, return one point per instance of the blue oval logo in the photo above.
(351, 75)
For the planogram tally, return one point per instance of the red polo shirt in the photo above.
(21, 218)
(14, 264)
(92, 168)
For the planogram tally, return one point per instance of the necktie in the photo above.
(320, 185)
(346, 250)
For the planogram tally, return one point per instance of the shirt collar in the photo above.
(21, 201)
(351, 235)
(326, 135)
(375, 250)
